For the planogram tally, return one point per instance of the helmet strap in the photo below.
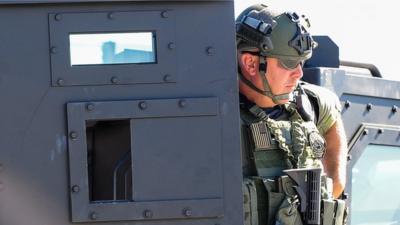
(267, 89)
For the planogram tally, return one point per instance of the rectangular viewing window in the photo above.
(109, 160)
(112, 48)
(374, 177)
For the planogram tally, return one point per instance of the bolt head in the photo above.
(167, 78)
(345, 196)
(380, 131)
(347, 104)
(171, 45)
(365, 132)
(394, 109)
(369, 106)
(111, 16)
(114, 80)
(75, 189)
(93, 215)
(60, 82)
(73, 135)
(210, 51)
(90, 107)
(182, 103)
(58, 17)
(53, 50)
(147, 213)
(187, 212)
(164, 14)
(142, 105)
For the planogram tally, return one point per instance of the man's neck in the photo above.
(262, 102)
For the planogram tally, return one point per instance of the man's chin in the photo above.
(283, 101)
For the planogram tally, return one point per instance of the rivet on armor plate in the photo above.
(73, 135)
(75, 189)
(147, 213)
(142, 105)
(167, 78)
(187, 212)
(90, 107)
(93, 215)
(369, 107)
(347, 104)
(60, 82)
(394, 109)
(114, 80)
(58, 17)
(171, 45)
(53, 50)
(210, 51)
(164, 14)
(182, 103)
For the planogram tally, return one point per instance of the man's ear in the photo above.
(248, 64)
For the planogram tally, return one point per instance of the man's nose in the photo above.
(297, 72)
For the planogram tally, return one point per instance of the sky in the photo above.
(86, 49)
(365, 30)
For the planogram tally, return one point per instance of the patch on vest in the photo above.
(318, 144)
(261, 136)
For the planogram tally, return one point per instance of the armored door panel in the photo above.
(172, 154)
(143, 136)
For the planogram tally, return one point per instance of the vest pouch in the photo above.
(334, 212)
(254, 202)
(275, 199)
(288, 213)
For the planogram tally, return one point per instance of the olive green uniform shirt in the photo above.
(329, 107)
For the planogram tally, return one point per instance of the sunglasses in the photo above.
(288, 64)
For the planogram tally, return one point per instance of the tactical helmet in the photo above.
(262, 31)
(275, 34)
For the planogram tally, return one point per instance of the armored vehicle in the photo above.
(126, 112)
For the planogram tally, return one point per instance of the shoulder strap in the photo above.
(313, 100)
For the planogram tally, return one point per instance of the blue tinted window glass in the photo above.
(375, 187)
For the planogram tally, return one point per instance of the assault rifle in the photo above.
(308, 188)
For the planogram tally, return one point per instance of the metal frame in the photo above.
(83, 210)
(61, 25)
(367, 134)
(341, 82)
(369, 111)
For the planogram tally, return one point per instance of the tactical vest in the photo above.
(273, 146)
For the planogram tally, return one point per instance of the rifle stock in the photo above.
(308, 188)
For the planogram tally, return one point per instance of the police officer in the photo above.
(286, 123)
